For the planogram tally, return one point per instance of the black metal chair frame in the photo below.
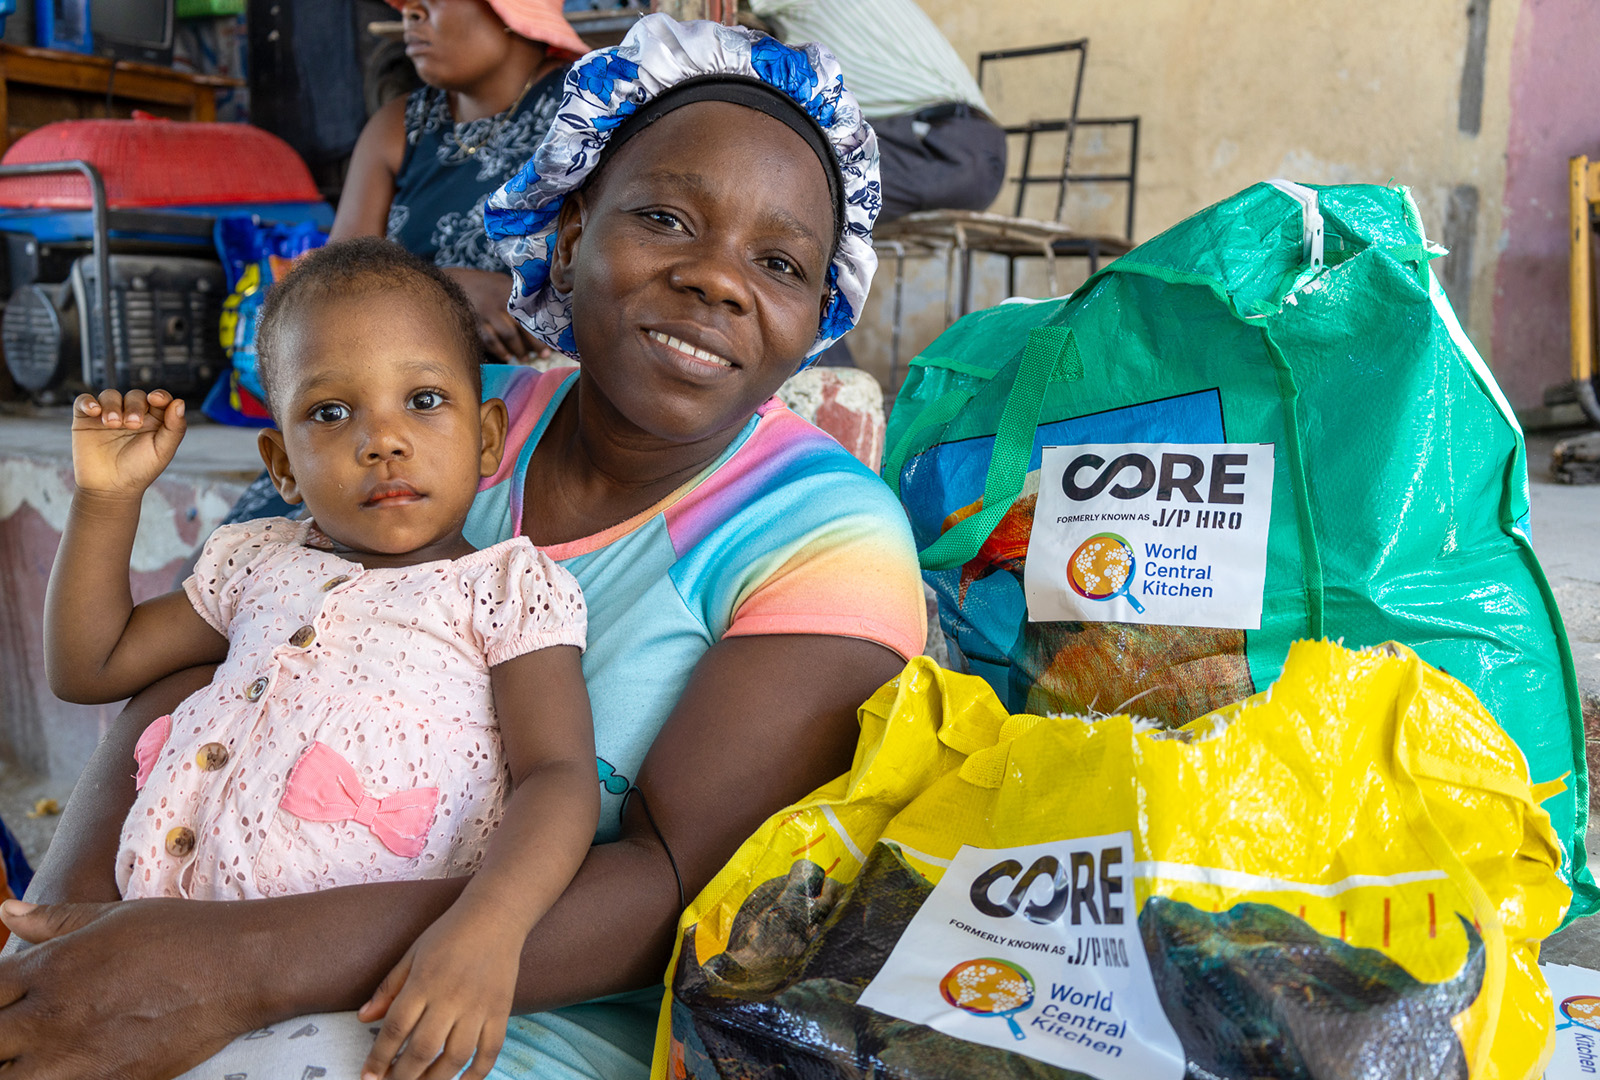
(947, 230)
(1088, 246)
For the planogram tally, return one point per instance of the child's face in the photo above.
(713, 227)
(381, 431)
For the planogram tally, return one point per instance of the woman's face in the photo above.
(454, 43)
(697, 263)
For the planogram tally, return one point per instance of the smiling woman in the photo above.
(653, 254)
(748, 585)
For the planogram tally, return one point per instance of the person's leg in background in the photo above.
(948, 157)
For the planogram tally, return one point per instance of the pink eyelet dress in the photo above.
(350, 735)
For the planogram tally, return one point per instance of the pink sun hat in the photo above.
(536, 20)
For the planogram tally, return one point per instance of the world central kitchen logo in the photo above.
(1103, 568)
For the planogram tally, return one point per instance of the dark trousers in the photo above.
(958, 165)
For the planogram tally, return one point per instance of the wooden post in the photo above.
(1580, 274)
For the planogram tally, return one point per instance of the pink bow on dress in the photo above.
(148, 748)
(323, 786)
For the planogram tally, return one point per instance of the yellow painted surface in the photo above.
(1231, 93)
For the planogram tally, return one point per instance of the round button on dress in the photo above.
(212, 756)
(334, 582)
(180, 842)
(254, 691)
(303, 637)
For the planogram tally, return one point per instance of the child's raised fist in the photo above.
(122, 442)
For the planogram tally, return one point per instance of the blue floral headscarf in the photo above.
(608, 86)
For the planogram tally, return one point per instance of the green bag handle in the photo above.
(1050, 356)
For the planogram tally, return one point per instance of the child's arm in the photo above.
(98, 646)
(450, 995)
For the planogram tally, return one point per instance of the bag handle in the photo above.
(940, 412)
(1050, 356)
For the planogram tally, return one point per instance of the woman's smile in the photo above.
(693, 357)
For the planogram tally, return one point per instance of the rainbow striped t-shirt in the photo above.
(785, 533)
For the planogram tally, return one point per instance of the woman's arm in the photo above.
(501, 335)
(369, 189)
(370, 181)
(756, 729)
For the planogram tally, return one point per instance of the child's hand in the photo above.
(447, 1001)
(121, 442)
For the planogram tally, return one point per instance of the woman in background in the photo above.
(425, 164)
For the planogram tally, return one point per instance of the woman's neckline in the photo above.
(590, 542)
(541, 74)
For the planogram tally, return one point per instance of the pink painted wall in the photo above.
(1555, 114)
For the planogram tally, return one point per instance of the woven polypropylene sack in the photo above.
(1343, 878)
(1302, 318)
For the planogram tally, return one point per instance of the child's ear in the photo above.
(569, 231)
(270, 443)
(493, 421)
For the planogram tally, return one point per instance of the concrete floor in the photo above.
(1565, 523)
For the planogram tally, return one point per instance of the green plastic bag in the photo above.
(1386, 495)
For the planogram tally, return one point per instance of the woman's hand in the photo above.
(122, 442)
(145, 989)
(447, 1002)
(502, 336)
(148, 1017)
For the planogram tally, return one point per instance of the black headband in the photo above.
(752, 94)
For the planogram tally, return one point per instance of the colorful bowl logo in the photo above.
(1583, 1009)
(1103, 568)
(989, 987)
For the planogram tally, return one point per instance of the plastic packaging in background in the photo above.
(206, 9)
(1346, 876)
(1304, 318)
(254, 255)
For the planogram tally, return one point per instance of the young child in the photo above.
(388, 698)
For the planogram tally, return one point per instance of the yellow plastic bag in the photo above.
(1345, 876)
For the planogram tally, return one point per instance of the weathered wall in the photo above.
(1555, 114)
(42, 735)
(1362, 91)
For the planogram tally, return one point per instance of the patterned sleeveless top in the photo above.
(437, 211)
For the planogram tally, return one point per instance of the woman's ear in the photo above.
(270, 443)
(493, 421)
(569, 233)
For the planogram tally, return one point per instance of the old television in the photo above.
(122, 29)
(132, 29)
